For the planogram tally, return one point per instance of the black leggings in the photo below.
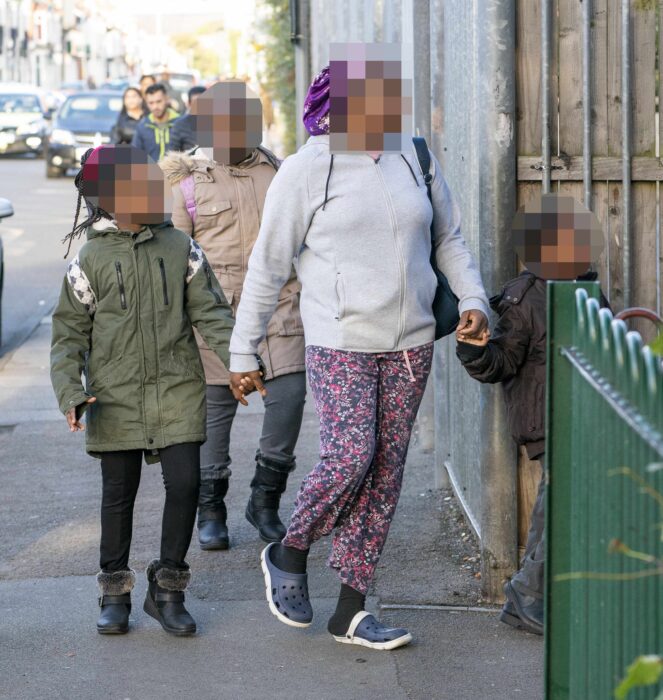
(120, 471)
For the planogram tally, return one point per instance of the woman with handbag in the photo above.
(358, 225)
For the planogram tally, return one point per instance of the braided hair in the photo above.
(95, 213)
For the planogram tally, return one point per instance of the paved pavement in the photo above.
(49, 647)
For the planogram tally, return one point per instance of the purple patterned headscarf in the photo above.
(316, 105)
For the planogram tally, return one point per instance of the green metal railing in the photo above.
(604, 577)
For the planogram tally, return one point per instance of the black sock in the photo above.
(289, 559)
(350, 602)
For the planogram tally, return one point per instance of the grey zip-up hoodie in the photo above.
(363, 258)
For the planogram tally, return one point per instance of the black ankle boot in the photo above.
(115, 601)
(165, 599)
(212, 514)
(267, 486)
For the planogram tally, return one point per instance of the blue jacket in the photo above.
(182, 135)
(154, 138)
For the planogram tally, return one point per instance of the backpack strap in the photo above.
(423, 156)
(187, 188)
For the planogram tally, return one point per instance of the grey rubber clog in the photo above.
(287, 594)
(366, 631)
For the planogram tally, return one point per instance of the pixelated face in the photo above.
(370, 100)
(556, 237)
(227, 118)
(125, 182)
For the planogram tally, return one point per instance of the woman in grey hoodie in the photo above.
(358, 227)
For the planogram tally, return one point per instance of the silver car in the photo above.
(24, 118)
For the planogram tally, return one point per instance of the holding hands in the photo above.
(473, 328)
(243, 383)
(481, 341)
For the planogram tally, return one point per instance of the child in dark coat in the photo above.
(516, 356)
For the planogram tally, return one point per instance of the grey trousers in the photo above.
(528, 580)
(284, 408)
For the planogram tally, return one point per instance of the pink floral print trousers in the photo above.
(366, 403)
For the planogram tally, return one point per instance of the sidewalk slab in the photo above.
(51, 649)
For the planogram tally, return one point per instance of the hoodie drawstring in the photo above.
(414, 177)
(409, 366)
(331, 165)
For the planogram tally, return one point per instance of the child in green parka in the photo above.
(125, 318)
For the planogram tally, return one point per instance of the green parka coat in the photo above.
(124, 319)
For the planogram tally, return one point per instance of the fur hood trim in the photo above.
(170, 579)
(116, 582)
(178, 166)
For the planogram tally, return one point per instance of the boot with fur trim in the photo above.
(165, 599)
(115, 600)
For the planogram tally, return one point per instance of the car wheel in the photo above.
(53, 171)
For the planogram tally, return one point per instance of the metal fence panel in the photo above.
(605, 498)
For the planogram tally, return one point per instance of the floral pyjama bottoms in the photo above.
(367, 404)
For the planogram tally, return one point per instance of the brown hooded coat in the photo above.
(229, 203)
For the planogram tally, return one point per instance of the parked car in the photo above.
(24, 118)
(6, 210)
(84, 121)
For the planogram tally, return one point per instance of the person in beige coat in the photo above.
(219, 193)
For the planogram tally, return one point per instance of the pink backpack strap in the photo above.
(187, 188)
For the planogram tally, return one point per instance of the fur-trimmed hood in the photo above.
(177, 166)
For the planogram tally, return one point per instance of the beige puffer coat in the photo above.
(228, 211)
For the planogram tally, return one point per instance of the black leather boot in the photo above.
(115, 601)
(267, 486)
(212, 514)
(165, 599)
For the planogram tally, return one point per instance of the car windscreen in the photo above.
(101, 108)
(19, 104)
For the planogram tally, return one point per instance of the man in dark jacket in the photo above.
(182, 136)
(153, 132)
(516, 356)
